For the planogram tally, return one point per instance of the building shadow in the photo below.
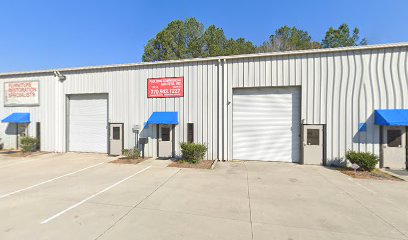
(11, 129)
(147, 133)
(371, 135)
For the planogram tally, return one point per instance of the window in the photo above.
(165, 134)
(394, 138)
(116, 133)
(190, 132)
(313, 136)
(22, 130)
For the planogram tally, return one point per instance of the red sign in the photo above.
(165, 87)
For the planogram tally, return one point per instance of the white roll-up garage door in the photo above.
(266, 124)
(88, 120)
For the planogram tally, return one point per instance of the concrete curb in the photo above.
(392, 174)
(213, 164)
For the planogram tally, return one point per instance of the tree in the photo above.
(194, 38)
(169, 43)
(342, 37)
(215, 41)
(189, 39)
(177, 41)
(286, 39)
(239, 46)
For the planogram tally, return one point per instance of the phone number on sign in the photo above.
(164, 91)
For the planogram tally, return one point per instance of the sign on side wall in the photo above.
(165, 87)
(24, 93)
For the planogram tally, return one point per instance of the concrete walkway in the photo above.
(403, 174)
(237, 200)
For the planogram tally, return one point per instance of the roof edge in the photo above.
(270, 54)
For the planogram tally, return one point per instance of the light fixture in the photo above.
(59, 76)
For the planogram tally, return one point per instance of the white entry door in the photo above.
(394, 149)
(313, 144)
(115, 139)
(165, 141)
(88, 123)
(22, 131)
(266, 124)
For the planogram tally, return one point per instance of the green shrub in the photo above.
(29, 144)
(366, 161)
(132, 153)
(193, 152)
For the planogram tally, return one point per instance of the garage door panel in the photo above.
(266, 124)
(88, 123)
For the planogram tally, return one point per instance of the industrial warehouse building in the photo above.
(301, 106)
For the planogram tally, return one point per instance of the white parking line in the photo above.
(47, 181)
(92, 196)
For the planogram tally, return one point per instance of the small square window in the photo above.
(165, 134)
(313, 136)
(116, 133)
(394, 138)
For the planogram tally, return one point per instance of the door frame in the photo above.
(406, 148)
(220, 153)
(109, 135)
(381, 147)
(67, 116)
(302, 130)
(173, 136)
(382, 142)
(18, 137)
(38, 134)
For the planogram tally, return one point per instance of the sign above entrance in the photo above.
(165, 87)
(25, 93)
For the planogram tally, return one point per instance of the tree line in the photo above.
(190, 39)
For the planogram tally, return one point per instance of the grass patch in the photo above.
(376, 174)
(204, 164)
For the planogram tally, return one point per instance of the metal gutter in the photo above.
(286, 53)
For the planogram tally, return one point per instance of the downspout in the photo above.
(226, 117)
(218, 110)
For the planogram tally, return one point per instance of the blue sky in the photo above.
(43, 34)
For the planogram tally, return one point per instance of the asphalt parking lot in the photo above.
(82, 196)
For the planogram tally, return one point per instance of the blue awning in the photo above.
(391, 117)
(163, 118)
(17, 118)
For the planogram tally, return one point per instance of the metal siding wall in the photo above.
(37, 114)
(339, 89)
(128, 103)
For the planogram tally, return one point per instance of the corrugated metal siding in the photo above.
(43, 113)
(339, 89)
(128, 102)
